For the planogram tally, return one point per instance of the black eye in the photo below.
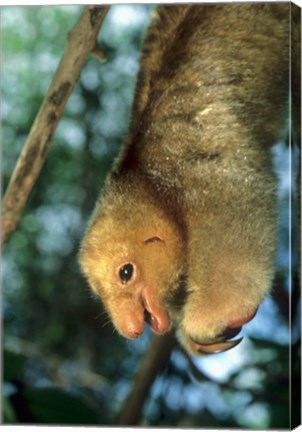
(126, 273)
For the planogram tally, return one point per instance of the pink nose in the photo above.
(132, 329)
(135, 334)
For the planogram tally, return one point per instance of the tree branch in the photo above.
(153, 362)
(80, 42)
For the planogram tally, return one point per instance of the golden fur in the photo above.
(191, 201)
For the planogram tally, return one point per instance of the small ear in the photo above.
(153, 239)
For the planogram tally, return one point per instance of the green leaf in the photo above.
(8, 413)
(54, 406)
(12, 365)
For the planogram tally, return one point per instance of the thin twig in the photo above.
(81, 42)
(98, 53)
(152, 363)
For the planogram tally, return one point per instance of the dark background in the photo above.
(63, 363)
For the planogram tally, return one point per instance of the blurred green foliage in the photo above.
(63, 363)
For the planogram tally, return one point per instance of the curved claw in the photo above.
(229, 333)
(217, 347)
